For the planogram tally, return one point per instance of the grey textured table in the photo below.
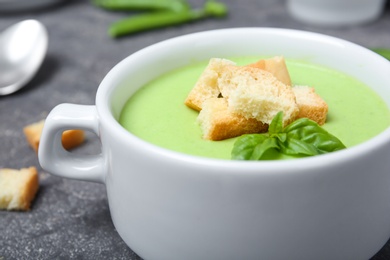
(71, 219)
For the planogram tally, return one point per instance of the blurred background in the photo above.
(70, 219)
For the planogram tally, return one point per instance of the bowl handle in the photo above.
(52, 155)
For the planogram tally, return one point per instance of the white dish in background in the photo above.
(335, 12)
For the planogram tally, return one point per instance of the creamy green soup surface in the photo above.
(157, 114)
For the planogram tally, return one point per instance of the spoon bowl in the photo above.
(23, 48)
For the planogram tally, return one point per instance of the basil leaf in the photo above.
(261, 148)
(294, 146)
(309, 132)
(282, 137)
(245, 145)
(276, 125)
(301, 122)
(275, 129)
(303, 137)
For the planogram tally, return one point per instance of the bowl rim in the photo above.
(105, 91)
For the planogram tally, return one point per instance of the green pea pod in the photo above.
(216, 9)
(382, 51)
(151, 21)
(164, 18)
(142, 5)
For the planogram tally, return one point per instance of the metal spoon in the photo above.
(23, 48)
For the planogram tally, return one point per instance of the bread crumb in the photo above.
(310, 104)
(235, 100)
(70, 138)
(207, 86)
(217, 123)
(255, 93)
(18, 188)
(276, 66)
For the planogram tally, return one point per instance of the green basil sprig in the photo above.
(303, 137)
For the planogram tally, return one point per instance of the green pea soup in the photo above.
(157, 114)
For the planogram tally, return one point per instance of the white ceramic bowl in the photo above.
(335, 12)
(168, 205)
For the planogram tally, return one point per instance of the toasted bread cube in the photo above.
(217, 123)
(255, 93)
(310, 104)
(206, 87)
(18, 188)
(276, 66)
(70, 138)
(235, 100)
